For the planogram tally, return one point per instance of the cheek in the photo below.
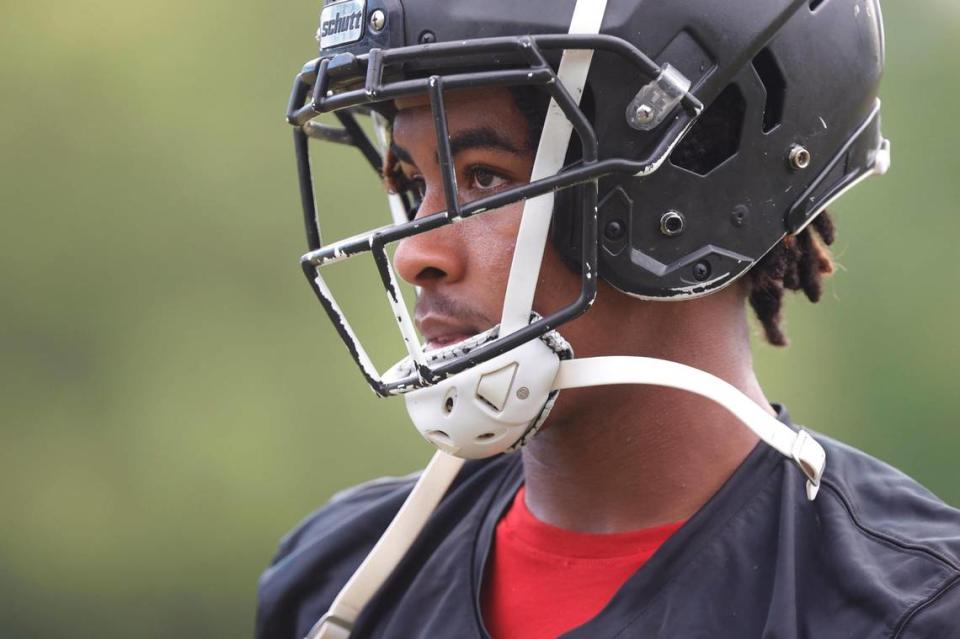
(559, 285)
(490, 239)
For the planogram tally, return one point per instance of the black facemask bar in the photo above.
(320, 79)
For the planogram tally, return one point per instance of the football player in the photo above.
(588, 196)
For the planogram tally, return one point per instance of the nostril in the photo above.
(430, 274)
(431, 257)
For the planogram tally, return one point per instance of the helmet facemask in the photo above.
(331, 85)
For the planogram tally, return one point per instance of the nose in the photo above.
(435, 256)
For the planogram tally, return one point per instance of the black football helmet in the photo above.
(705, 131)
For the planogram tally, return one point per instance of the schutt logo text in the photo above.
(340, 24)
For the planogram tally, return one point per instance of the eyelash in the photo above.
(474, 170)
(471, 171)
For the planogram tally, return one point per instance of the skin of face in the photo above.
(462, 269)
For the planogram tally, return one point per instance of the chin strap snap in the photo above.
(811, 458)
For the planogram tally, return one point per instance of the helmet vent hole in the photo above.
(775, 86)
(449, 401)
(485, 437)
(715, 138)
(815, 3)
(439, 437)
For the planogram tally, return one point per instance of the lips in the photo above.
(441, 331)
(447, 340)
(444, 319)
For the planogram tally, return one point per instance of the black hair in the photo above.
(797, 263)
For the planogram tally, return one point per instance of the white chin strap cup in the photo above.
(494, 407)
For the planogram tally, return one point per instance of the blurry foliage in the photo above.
(172, 398)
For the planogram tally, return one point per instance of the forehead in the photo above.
(466, 108)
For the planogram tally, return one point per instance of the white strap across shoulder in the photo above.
(390, 548)
(601, 371)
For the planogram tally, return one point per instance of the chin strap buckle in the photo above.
(811, 458)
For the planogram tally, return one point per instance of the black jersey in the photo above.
(876, 555)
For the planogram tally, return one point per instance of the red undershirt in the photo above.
(543, 581)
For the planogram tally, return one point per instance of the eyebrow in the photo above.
(400, 153)
(478, 138)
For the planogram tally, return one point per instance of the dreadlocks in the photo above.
(798, 263)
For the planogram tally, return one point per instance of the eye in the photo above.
(485, 179)
(418, 185)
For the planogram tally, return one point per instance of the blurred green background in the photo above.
(172, 399)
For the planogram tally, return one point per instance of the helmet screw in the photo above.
(377, 20)
(523, 392)
(701, 270)
(799, 157)
(426, 37)
(644, 114)
(671, 224)
(614, 230)
(738, 217)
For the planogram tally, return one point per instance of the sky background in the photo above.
(172, 398)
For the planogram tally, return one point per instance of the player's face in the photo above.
(462, 268)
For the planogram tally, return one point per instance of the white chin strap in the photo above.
(575, 373)
(796, 445)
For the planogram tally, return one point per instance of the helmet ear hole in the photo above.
(715, 138)
(775, 86)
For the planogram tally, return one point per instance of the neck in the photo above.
(621, 458)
